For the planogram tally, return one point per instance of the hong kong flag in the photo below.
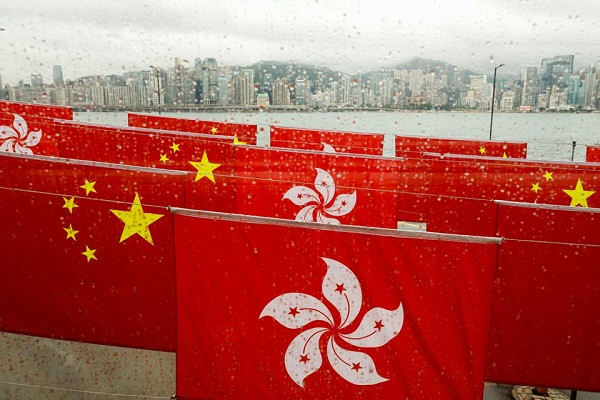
(271, 309)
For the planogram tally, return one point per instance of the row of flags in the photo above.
(290, 278)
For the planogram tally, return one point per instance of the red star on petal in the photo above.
(299, 195)
(340, 288)
(378, 325)
(304, 358)
(294, 311)
(356, 366)
(323, 183)
(343, 203)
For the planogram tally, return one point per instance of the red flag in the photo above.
(592, 154)
(36, 110)
(243, 133)
(24, 134)
(84, 269)
(412, 146)
(269, 309)
(327, 141)
(317, 187)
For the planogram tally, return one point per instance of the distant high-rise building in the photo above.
(268, 86)
(37, 80)
(589, 90)
(301, 91)
(281, 92)
(531, 86)
(243, 90)
(556, 71)
(223, 90)
(57, 76)
(574, 85)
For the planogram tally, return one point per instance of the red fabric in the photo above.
(311, 139)
(25, 134)
(244, 132)
(227, 272)
(411, 146)
(498, 179)
(592, 154)
(144, 147)
(545, 323)
(269, 178)
(126, 297)
(36, 110)
(461, 215)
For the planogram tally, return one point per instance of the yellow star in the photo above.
(69, 204)
(482, 150)
(535, 187)
(136, 221)
(163, 158)
(214, 130)
(90, 253)
(175, 147)
(578, 195)
(89, 187)
(548, 176)
(71, 232)
(504, 155)
(205, 168)
(236, 140)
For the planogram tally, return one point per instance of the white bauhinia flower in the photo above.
(342, 289)
(321, 205)
(18, 139)
(327, 148)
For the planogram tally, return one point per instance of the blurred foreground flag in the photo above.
(271, 309)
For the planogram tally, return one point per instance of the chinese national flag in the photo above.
(411, 146)
(271, 309)
(36, 110)
(83, 267)
(243, 133)
(327, 141)
(592, 154)
(316, 187)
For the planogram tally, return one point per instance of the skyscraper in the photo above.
(57, 76)
(574, 85)
(281, 92)
(37, 80)
(556, 71)
(531, 86)
(301, 91)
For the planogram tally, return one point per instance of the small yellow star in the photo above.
(236, 140)
(214, 130)
(504, 155)
(175, 147)
(578, 195)
(482, 150)
(136, 221)
(535, 187)
(548, 176)
(205, 168)
(90, 253)
(71, 232)
(89, 187)
(69, 204)
(163, 158)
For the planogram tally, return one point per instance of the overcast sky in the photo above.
(103, 37)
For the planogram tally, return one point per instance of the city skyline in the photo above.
(346, 36)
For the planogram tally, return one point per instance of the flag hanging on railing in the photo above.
(592, 154)
(413, 146)
(271, 309)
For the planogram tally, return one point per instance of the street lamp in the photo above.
(158, 80)
(494, 98)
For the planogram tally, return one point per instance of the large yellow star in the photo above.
(504, 155)
(71, 232)
(174, 147)
(236, 140)
(89, 253)
(535, 187)
(482, 150)
(214, 130)
(548, 176)
(205, 168)
(136, 221)
(89, 187)
(69, 204)
(578, 195)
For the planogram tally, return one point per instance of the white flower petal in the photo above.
(8, 145)
(303, 355)
(377, 327)
(20, 126)
(355, 367)
(22, 150)
(7, 131)
(324, 185)
(342, 205)
(300, 195)
(33, 138)
(295, 310)
(321, 218)
(327, 148)
(307, 214)
(342, 289)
